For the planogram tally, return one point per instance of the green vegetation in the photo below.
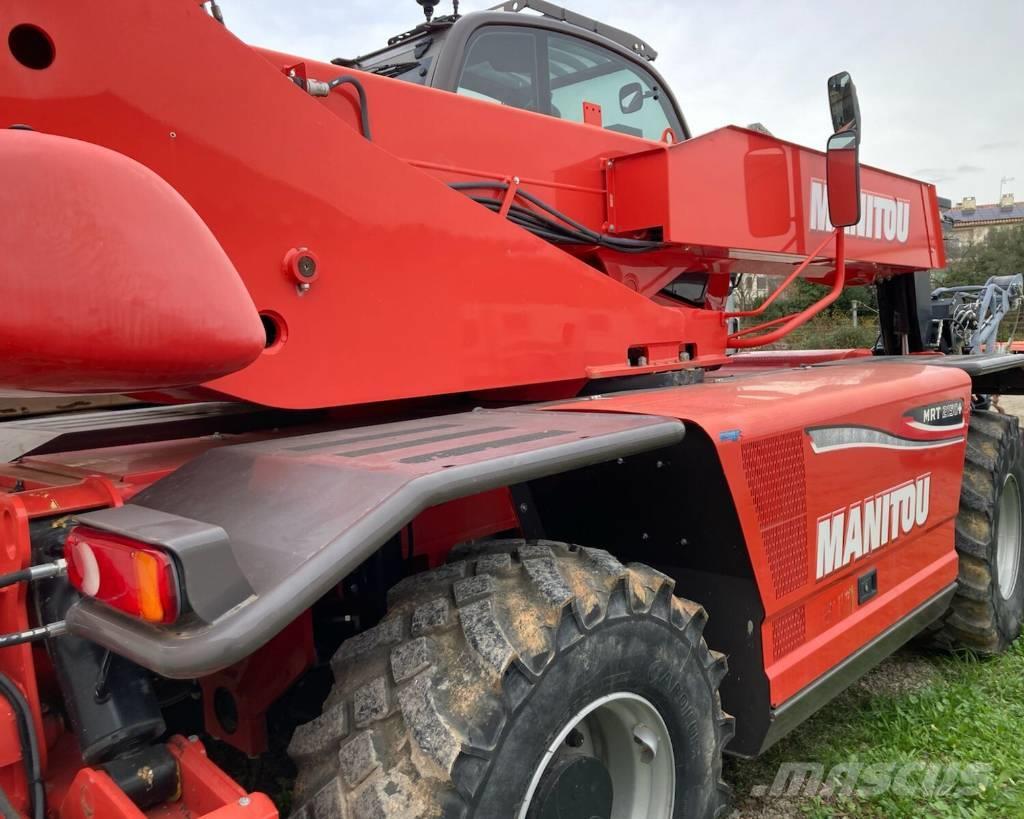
(1001, 254)
(948, 712)
(833, 333)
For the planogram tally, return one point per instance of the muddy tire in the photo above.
(986, 612)
(448, 706)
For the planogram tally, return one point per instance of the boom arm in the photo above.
(374, 280)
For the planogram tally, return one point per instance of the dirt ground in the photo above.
(1012, 404)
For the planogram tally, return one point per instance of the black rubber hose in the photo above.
(591, 236)
(14, 577)
(29, 745)
(7, 810)
(364, 106)
(526, 218)
(543, 229)
(550, 230)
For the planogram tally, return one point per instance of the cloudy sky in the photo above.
(941, 83)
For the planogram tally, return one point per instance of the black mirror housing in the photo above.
(842, 100)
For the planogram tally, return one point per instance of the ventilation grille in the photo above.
(788, 632)
(775, 475)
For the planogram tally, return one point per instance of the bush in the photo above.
(830, 333)
(841, 336)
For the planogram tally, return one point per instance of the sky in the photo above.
(941, 83)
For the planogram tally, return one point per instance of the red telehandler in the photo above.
(455, 482)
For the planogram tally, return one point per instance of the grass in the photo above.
(916, 708)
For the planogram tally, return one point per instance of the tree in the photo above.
(1000, 253)
(801, 294)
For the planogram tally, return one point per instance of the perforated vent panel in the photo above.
(788, 632)
(775, 475)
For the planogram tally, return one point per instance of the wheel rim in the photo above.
(628, 736)
(1008, 540)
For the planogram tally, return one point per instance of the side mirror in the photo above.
(842, 100)
(843, 172)
(631, 98)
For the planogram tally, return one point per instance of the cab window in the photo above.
(631, 101)
(501, 66)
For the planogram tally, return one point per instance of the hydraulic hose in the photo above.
(29, 745)
(15, 577)
(364, 106)
(7, 810)
(559, 228)
(41, 571)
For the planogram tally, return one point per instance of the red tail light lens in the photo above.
(129, 575)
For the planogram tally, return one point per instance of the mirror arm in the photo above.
(786, 283)
(737, 341)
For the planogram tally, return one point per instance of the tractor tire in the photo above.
(987, 609)
(531, 667)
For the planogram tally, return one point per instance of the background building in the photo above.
(969, 222)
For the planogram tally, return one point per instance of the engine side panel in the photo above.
(817, 460)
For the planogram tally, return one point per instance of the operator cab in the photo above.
(555, 63)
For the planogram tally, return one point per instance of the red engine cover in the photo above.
(139, 294)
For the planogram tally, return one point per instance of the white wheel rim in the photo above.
(621, 730)
(1008, 538)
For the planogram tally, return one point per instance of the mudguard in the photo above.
(263, 530)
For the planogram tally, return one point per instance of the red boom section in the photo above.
(417, 291)
(752, 194)
(110, 280)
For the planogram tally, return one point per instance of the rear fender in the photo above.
(261, 531)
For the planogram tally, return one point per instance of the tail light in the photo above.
(128, 575)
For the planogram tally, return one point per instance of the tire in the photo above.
(447, 706)
(986, 612)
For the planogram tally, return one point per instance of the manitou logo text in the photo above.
(850, 534)
(881, 217)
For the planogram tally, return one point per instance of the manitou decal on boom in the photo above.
(855, 532)
(882, 217)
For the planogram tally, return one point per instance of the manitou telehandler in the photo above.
(451, 454)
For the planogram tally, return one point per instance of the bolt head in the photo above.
(244, 801)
